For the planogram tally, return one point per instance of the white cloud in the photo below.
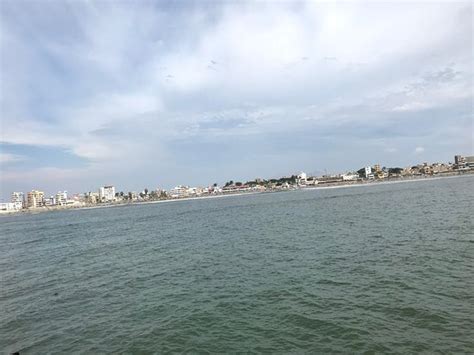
(132, 81)
(419, 150)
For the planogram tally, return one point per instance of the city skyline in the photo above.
(144, 94)
(459, 162)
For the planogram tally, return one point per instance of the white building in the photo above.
(179, 191)
(311, 181)
(193, 191)
(350, 176)
(107, 193)
(214, 189)
(301, 178)
(368, 172)
(61, 198)
(18, 200)
(7, 207)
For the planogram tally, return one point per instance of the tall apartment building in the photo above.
(18, 200)
(61, 197)
(35, 199)
(107, 193)
(368, 172)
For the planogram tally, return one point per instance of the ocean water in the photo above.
(377, 269)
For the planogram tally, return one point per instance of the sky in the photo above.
(159, 93)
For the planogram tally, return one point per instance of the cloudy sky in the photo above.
(154, 94)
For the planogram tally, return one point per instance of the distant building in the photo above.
(193, 191)
(309, 181)
(201, 191)
(35, 199)
(235, 188)
(469, 161)
(350, 176)
(417, 170)
(51, 201)
(459, 160)
(61, 198)
(407, 171)
(16, 204)
(8, 207)
(18, 200)
(107, 193)
(92, 197)
(330, 179)
(78, 197)
(438, 168)
(426, 169)
(462, 163)
(368, 172)
(179, 191)
(214, 189)
(301, 178)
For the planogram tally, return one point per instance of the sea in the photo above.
(385, 268)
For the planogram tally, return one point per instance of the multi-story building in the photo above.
(107, 193)
(459, 161)
(179, 191)
(368, 172)
(35, 199)
(18, 200)
(463, 163)
(469, 161)
(61, 198)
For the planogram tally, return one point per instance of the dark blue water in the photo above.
(381, 269)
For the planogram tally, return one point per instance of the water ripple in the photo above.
(380, 269)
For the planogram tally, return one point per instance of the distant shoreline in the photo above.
(391, 181)
(301, 188)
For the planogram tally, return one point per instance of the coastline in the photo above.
(302, 188)
(386, 182)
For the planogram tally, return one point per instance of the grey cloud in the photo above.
(286, 88)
